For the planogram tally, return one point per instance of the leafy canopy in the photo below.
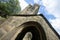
(9, 7)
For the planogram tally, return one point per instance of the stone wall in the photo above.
(12, 27)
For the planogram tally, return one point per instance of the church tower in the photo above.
(28, 25)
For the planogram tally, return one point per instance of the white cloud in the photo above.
(23, 4)
(36, 1)
(53, 7)
(56, 24)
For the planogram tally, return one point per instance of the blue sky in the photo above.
(49, 8)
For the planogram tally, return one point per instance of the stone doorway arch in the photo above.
(34, 28)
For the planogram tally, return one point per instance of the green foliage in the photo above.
(9, 7)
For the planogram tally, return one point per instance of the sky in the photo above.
(49, 8)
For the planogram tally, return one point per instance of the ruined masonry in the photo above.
(28, 26)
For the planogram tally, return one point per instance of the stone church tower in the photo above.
(27, 26)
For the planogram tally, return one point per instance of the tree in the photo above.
(9, 7)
